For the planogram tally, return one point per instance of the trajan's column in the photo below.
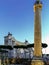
(37, 34)
(37, 28)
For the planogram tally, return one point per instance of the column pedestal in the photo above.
(37, 62)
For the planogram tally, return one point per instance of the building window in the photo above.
(9, 42)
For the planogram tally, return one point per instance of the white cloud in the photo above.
(46, 40)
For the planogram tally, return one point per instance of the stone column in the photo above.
(37, 35)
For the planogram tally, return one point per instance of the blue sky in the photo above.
(17, 17)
